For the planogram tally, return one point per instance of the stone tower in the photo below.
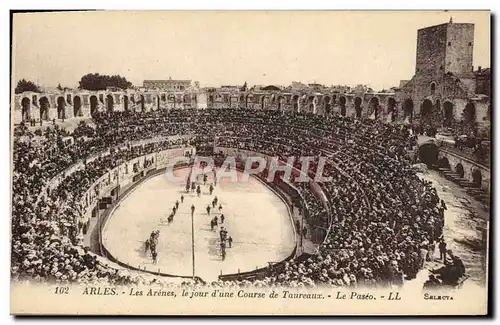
(445, 48)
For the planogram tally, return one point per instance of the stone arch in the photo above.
(143, 103)
(342, 103)
(93, 104)
(125, 102)
(391, 107)
(459, 169)
(448, 113)
(295, 101)
(426, 108)
(433, 88)
(408, 108)
(109, 103)
(374, 105)
(77, 106)
(358, 108)
(327, 105)
(310, 104)
(469, 113)
(280, 102)
(61, 108)
(44, 108)
(443, 162)
(477, 177)
(26, 109)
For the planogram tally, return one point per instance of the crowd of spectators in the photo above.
(377, 217)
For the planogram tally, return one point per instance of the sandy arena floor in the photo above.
(256, 219)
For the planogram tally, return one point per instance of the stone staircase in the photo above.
(471, 189)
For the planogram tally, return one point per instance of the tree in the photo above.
(25, 85)
(95, 81)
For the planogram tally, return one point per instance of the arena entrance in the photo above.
(26, 109)
(77, 106)
(61, 108)
(93, 105)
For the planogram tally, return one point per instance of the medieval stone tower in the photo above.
(445, 48)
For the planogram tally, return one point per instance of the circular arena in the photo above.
(256, 218)
(84, 201)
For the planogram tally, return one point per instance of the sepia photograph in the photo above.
(270, 162)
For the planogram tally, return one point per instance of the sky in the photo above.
(376, 48)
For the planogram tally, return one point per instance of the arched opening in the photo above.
(158, 102)
(443, 163)
(93, 105)
(408, 109)
(334, 100)
(125, 103)
(77, 106)
(109, 103)
(262, 102)
(374, 106)
(448, 113)
(342, 102)
(327, 105)
(426, 109)
(459, 169)
(310, 105)
(143, 103)
(280, 103)
(428, 153)
(433, 88)
(357, 106)
(477, 178)
(44, 108)
(185, 99)
(61, 108)
(295, 101)
(246, 100)
(391, 107)
(26, 109)
(470, 113)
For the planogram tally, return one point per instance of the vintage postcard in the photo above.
(250, 163)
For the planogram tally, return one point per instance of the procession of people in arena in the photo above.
(385, 222)
(192, 185)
